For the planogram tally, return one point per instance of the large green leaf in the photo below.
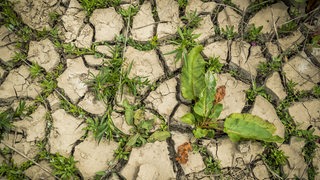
(247, 126)
(192, 77)
(159, 136)
(204, 105)
(188, 119)
(129, 113)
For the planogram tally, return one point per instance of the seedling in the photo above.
(182, 3)
(229, 32)
(253, 33)
(65, 168)
(91, 5)
(316, 91)
(185, 42)
(214, 65)
(212, 166)
(254, 91)
(274, 65)
(274, 157)
(192, 19)
(35, 70)
(129, 13)
(288, 27)
(200, 86)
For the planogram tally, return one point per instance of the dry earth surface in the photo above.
(57, 118)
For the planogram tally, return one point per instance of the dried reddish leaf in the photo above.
(183, 150)
(221, 92)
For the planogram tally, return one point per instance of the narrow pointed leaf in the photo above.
(192, 77)
(247, 126)
(204, 106)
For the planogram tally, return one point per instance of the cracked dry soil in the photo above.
(63, 132)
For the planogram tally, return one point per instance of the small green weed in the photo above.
(229, 32)
(19, 56)
(101, 127)
(274, 65)
(288, 27)
(316, 91)
(152, 44)
(254, 91)
(72, 109)
(253, 33)
(90, 5)
(182, 3)
(274, 157)
(212, 166)
(128, 13)
(48, 86)
(65, 168)
(214, 65)
(185, 42)
(192, 19)
(35, 70)
(11, 171)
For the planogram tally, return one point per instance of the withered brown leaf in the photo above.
(220, 93)
(183, 150)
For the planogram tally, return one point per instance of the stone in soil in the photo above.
(170, 59)
(232, 154)
(143, 23)
(7, 44)
(242, 4)
(34, 126)
(264, 109)
(296, 165)
(273, 83)
(170, 16)
(18, 83)
(93, 157)
(73, 79)
(260, 171)
(275, 14)
(239, 57)
(273, 49)
(195, 162)
(205, 29)
(300, 70)
(35, 172)
(200, 7)
(228, 17)
(72, 20)
(106, 28)
(66, 130)
(36, 14)
(54, 101)
(2, 71)
(306, 114)
(292, 41)
(84, 40)
(235, 98)
(217, 49)
(92, 105)
(43, 53)
(92, 60)
(145, 64)
(163, 99)
(155, 159)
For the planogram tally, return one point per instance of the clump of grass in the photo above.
(192, 19)
(274, 157)
(229, 32)
(266, 68)
(90, 5)
(63, 167)
(253, 33)
(254, 91)
(214, 65)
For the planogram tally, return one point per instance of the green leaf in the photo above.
(159, 136)
(128, 115)
(216, 111)
(192, 77)
(200, 133)
(188, 119)
(204, 105)
(133, 140)
(146, 124)
(247, 126)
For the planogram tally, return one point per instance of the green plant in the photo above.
(288, 27)
(72, 109)
(253, 33)
(254, 91)
(48, 85)
(229, 32)
(316, 91)
(192, 19)
(185, 42)
(63, 167)
(141, 127)
(212, 166)
(11, 171)
(274, 157)
(91, 5)
(19, 56)
(214, 65)
(200, 86)
(101, 127)
(265, 68)
(35, 70)
(129, 12)
(182, 3)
